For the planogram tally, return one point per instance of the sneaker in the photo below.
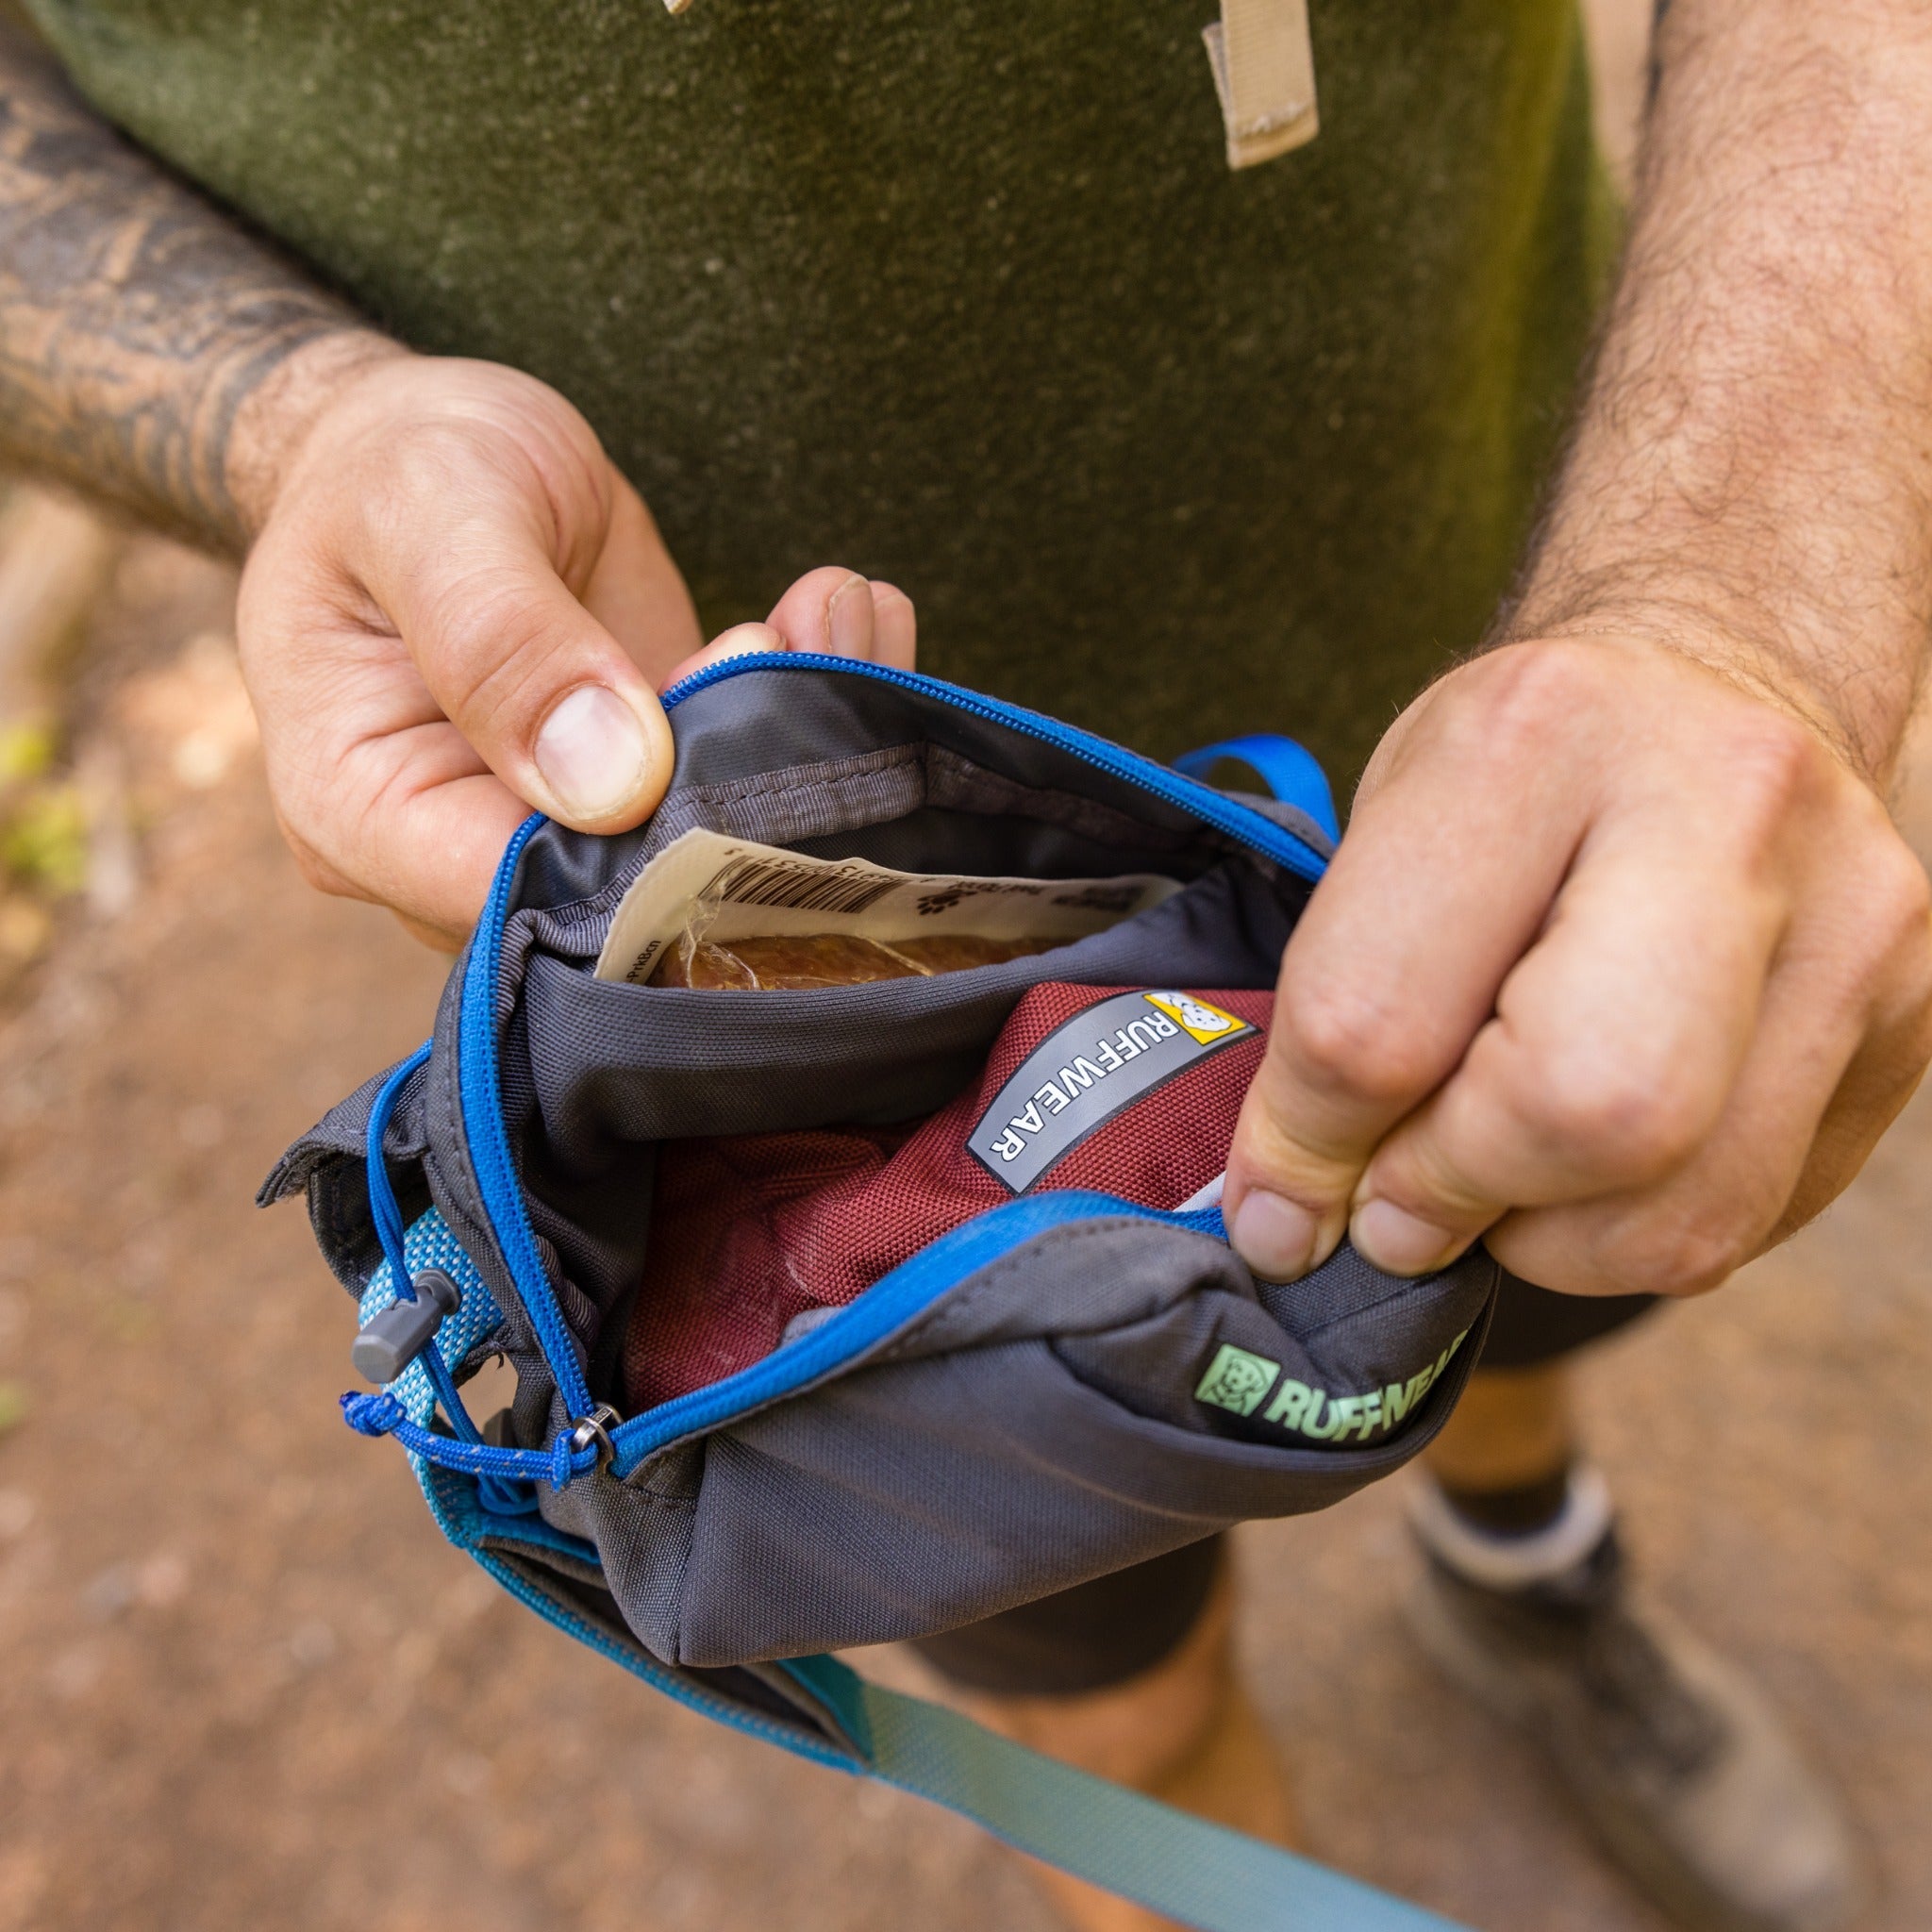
(1676, 1761)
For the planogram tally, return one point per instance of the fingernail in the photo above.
(894, 627)
(848, 617)
(1275, 1238)
(1399, 1243)
(591, 753)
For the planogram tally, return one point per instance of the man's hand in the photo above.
(454, 608)
(1618, 964)
(1621, 961)
(458, 609)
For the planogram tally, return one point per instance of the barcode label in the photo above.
(798, 888)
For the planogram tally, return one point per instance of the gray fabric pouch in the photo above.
(1061, 1386)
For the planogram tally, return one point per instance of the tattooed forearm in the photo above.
(136, 319)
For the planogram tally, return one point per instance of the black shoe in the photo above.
(1677, 1762)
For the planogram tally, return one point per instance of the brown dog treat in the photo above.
(954, 952)
(782, 965)
(707, 968)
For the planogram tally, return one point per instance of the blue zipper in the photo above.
(479, 1084)
(890, 1303)
(1215, 807)
(855, 1327)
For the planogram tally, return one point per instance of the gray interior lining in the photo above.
(917, 807)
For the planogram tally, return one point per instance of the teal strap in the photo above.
(1290, 772)
(1203, 1874)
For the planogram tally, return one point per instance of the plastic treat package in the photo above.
(805, 961)
(712, 911)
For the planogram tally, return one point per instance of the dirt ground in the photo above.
(245, 1684)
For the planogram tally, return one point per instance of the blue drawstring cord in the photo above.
(502, 1488)
(388, 1218)
(381, 1414)
(372, 1415)
(383, 1210)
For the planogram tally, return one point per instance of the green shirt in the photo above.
(965, 295)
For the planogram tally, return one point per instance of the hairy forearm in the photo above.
(1751, 477)
(152, 352)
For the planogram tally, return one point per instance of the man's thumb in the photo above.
(549, 699)
(602, 757)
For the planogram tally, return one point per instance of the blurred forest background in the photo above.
(243, 1683)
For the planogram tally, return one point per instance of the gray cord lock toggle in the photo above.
(396, 1337)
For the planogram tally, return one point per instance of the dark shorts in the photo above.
(1117, 1626)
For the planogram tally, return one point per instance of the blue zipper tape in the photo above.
(887, 1306)
(1213, 808)
(480, 1091)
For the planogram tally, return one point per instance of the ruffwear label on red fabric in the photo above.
(1086, 1069)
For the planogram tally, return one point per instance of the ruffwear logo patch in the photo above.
(1088, 1069)
(1204, 1022)
(1237, 1380)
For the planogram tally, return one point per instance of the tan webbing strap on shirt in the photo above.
(1264, 72)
